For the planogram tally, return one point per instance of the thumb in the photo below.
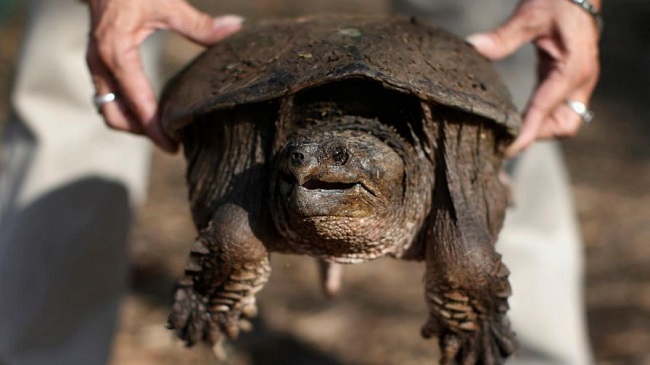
(201, 27)
(504, 40)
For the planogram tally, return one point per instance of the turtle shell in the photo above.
(283, 57)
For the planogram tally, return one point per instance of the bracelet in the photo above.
(591, 9)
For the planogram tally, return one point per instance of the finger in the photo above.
(134, 85)
(547, 97)
(574, 76)
(198, 26)
(564, 121)
(560, 121)
(115, 113)
(522, 27)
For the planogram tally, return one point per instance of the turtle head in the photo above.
(336, 193)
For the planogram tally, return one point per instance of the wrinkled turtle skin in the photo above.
(346, 139)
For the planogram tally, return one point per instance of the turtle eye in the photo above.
(340, 155)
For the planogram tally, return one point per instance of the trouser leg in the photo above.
(539, 241)
(541, 246)
(68, 186)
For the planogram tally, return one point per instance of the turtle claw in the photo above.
(189, 316)
(194, 320)
(491, 344)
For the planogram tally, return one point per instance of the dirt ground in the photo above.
(377, 318)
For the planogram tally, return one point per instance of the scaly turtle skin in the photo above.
(346, 139)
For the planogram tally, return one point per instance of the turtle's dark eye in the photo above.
(340, 155)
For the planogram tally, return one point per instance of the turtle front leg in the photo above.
(226, 267)
(466, 283)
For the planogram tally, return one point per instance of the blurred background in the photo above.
(377, 318)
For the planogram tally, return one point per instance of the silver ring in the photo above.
(100, 100)
(591, 9)
(581, 109)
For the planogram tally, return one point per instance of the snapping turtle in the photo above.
(346, 139)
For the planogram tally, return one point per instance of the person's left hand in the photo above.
(118, 27)
(566, 38)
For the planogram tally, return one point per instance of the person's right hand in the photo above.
(566, 38)
(118, 27)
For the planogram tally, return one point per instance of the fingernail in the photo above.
(228, 21)
(478, 40)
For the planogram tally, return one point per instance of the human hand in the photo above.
(566, 38)
(118, 28)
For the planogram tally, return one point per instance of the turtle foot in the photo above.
(490, 344)
(194, 319)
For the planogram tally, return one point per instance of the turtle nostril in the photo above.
(297, 158)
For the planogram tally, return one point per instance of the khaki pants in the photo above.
(540, 241)
(67, 191)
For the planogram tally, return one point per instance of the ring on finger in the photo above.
(581, 109)
(100, 99)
